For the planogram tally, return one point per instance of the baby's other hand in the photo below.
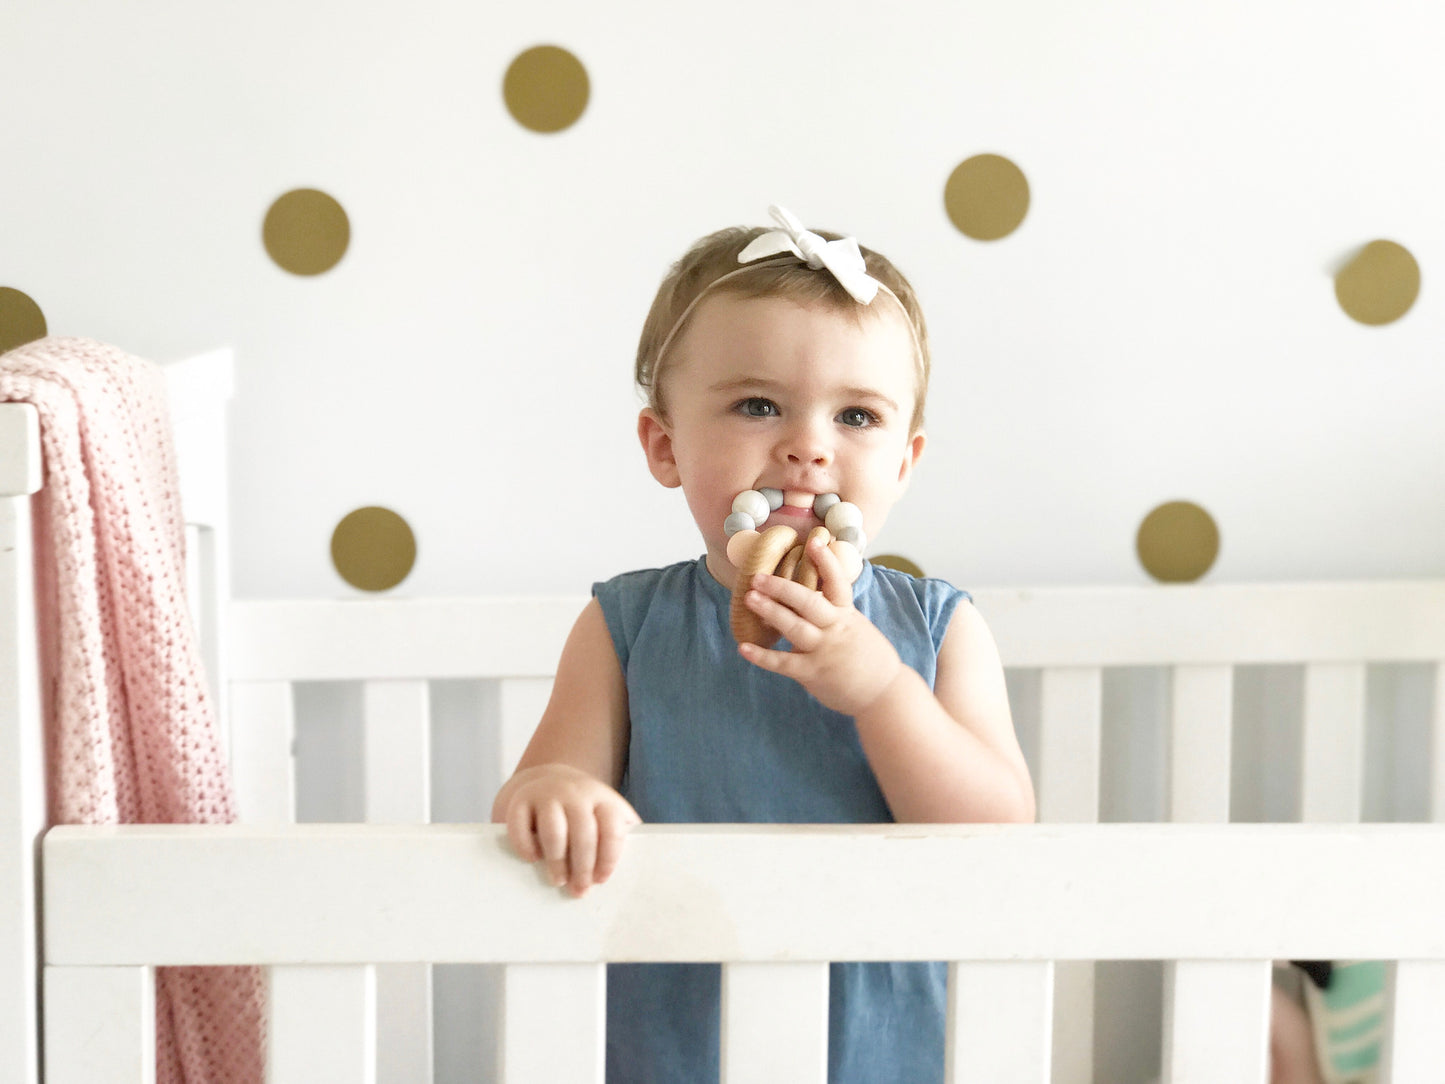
(838, 654)
(572, 821)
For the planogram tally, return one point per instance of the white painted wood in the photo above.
(1216, 1022)
(366, 639)
(1000, 1022)
(1070, 737)
(1073, 1034)
(100, 1025)
(1187, 624)
(360, 639)
(1437, 747)
(322, 1025)
(169, 894)
(774, 1023)
(22, 790)
(1069, 744)
(1333, 744)
(20, 461)
(396, 720)
(521, 703)
(263, 762)
(1200, 743)
(1414, 1048)
(554, 1024)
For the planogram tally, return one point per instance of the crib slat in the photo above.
(22, 763)
(1000, 1022)
(1437, 747)
(263, 728)
(322, 1025)
(1070, 735)
(1414, 1047)
(100, 1025)
(1332, 757)
(397, 723)
(554, 1024)
(1199, 749)
(1069, 743)
(774, 1023)
(521, 703)
(1216, 1021)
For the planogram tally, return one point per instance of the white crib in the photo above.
(350, 917)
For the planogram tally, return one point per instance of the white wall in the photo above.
(1162, 326)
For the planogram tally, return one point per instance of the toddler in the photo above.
(785, 372)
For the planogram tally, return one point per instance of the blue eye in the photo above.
(858, 418)
(759, 408)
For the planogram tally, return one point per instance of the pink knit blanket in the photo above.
(131, 734)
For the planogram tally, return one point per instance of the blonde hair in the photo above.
(716, 256)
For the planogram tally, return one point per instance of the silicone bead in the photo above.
(740, 545)
(854, 536)
(822, 502)
(752, 503)
(739, 521)
(774, 497)
(843, 515)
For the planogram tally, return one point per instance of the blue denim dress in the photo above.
(717, 740)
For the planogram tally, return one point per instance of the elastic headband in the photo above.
(793, 244)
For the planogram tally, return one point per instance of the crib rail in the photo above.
(22, 774)
(1200, 634)
(324, 903)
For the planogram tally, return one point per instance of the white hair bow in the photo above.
(842, 258)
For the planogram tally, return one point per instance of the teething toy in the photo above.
(777, 551)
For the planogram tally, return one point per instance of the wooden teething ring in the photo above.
(776, 552)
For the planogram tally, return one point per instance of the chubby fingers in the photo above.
(579, 843)
(834, 580)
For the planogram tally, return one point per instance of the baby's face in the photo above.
(801, 398)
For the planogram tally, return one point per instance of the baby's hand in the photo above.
(838, 654)
(573, 822)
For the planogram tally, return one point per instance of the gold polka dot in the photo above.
(21, 320)
(1379, 284)
(900, 564)
(986, 197)
(373, 549)
(546, 89)
(1178, 542)
(306, 232)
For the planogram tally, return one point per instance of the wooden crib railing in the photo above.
(1070, 636)
(323, 903)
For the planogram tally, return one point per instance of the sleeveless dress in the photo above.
(715, 739)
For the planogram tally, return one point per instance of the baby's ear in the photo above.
(656, 441)
(911, 456)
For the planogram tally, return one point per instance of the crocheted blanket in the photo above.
(131, 734)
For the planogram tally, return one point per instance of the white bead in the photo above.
(854, 536)
(774, 497)
(822, 502)
(738, 521)
(843, 515)
(752, 503)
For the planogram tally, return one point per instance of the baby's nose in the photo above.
(807, 444)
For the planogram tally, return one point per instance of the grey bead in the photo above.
(738, 521)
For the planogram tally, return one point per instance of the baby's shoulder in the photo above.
(921, 602)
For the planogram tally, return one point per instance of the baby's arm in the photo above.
(561, 805)
(943, 755)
